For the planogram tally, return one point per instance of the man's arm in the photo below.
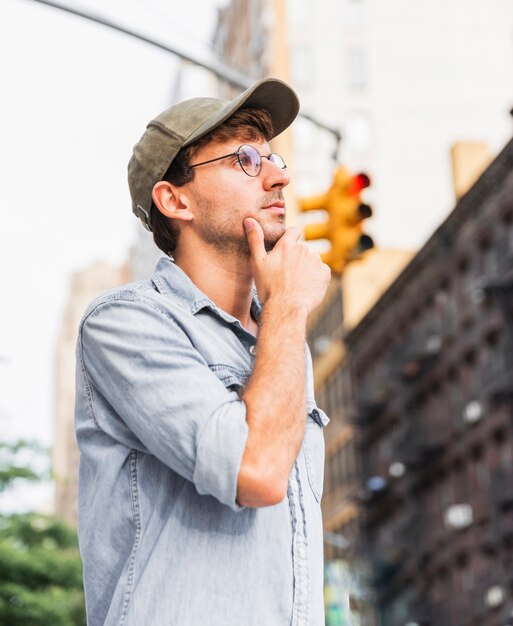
(139, 374)
(291, 281)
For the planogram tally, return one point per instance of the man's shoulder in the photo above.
(126, 292)
(141, 296)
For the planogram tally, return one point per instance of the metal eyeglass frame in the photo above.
(237, 154)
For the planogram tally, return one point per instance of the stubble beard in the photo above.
(222, 234)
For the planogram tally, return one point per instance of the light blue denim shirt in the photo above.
(162, 430)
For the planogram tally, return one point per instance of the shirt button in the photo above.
(301, 622)
(302, 552)
(293, 485)
(252, 349)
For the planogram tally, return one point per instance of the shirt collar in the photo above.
(171, 279)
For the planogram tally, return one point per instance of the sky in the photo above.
(75, 98)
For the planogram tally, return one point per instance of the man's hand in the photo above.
(292, 281)
(290, 272)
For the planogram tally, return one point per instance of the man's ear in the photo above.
(170, 202)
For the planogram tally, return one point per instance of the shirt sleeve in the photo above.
(149, 388)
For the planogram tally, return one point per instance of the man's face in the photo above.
(222, 195)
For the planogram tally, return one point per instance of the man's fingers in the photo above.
(293, 233)
(255, 237)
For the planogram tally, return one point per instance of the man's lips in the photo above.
(278, 207)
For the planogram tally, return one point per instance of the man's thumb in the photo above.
(255, 237)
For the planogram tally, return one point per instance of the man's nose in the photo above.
(274, 176)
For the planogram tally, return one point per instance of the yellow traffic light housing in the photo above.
(344, 226)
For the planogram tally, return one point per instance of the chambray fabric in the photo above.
(162, 429)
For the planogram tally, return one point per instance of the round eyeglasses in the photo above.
(249, 159)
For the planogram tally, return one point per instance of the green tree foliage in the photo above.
(12, 464)
(40, 567)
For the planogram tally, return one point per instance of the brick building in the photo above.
(345, 303)
(428, 385)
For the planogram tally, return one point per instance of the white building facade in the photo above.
(403, 81)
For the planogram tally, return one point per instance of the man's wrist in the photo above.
(287, 308)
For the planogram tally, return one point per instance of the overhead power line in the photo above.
(222, 71)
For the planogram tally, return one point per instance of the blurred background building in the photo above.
(399, 81)
(428, 383)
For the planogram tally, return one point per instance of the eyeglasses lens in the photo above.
(277, 160)
(250, 160)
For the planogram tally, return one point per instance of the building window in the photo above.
(358, 131)
(509, 226)
(298, 13)
(301, 67)
(357, 68)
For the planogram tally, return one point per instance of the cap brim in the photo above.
(270, 94)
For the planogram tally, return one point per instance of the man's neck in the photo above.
(226, 279)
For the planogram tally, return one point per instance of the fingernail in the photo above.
(248, 225)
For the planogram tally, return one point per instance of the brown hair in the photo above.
(247, 124)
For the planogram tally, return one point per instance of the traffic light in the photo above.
(344, 226)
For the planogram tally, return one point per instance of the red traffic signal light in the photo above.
(359, 182)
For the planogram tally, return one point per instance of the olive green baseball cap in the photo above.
(186, 122)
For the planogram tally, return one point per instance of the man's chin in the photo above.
(272, 234)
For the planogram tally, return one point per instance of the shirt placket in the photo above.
(299, 549)
(295, 495)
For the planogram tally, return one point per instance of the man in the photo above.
(201, 446)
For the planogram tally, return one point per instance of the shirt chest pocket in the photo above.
(313, 449)
(232, 378)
